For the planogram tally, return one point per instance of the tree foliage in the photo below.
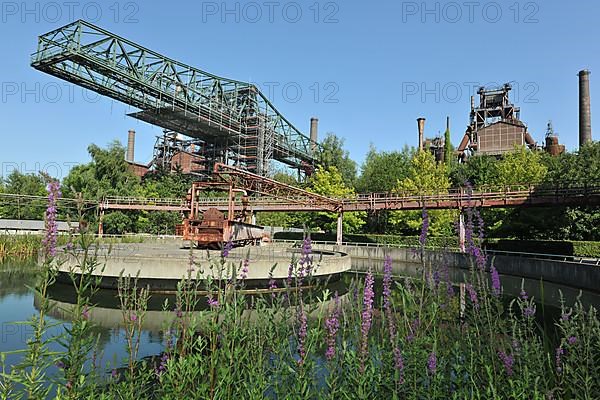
(521, 166)
(329, 182)
(108, 174)
(333, 154)
(24, 184)
(425, 176)
(448, 148)
(381, 171)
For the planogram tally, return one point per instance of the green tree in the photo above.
(333, 154)
(329, 182)
(117, 223)
(449, 158)
(559, 223)
(478, 171)
(108, 174)
(381, 171)
(521, 166)
(25, 184)
(425, 176)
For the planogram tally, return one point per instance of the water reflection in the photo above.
(18, 303)
(106, 312)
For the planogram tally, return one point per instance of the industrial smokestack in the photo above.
(314, 133)
(585, 112)
(421, 126)
(130, 146)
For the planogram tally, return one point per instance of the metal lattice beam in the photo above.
(173, 95)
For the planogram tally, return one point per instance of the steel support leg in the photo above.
(338, 239)
(461, 231)
(101, 224)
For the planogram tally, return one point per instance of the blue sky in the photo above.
(366, 70)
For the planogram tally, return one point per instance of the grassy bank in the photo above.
(28, 245)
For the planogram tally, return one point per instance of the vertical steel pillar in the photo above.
(101, 223)
(338, 238)
(461, 231)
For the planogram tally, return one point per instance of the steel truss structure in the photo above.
(499, 197)
(236, 123)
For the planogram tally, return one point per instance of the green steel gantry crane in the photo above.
(233, 120)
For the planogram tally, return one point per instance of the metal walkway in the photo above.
(510, 196)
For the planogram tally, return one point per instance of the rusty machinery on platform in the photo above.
(211, 227)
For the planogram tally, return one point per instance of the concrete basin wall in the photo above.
(170, 262)
(406, 260)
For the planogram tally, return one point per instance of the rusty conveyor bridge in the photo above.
(497, 197)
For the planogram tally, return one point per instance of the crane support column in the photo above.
(338, 238)
(461, 231)
(101, 223)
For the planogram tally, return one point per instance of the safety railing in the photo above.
(554, 257)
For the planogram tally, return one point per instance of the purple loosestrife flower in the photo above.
(559, 353)
(290, 275)
(566, 316)
(114, 374)
(446, 275)
(302, 333)
(307, 251)
(133, 317)
(480, 226)
(496, 285)
(472, 295)
(272, 283)
(523, 295)
(227, 248)
(245, 265)
(332, 324)
(435, 278)
(508, 361)
(85, 313)
(178, 312)
(162, 366)
(529, 311)
(424, 228)
(432, 363)
(387, 282)
(387, 306)
(399, 364)
(49, 241)
(572, 340)
(366, 318)
(212, 302)
(414, 327)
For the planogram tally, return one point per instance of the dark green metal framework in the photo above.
(235, 122)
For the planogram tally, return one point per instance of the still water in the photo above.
(18, 303)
